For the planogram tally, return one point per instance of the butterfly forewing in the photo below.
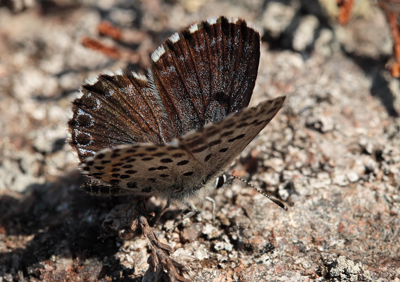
(217, 145)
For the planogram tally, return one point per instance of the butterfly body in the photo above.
(173, 133)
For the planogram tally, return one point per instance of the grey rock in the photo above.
(341, 180)
(349, 270)
(211, 232)
(218, 246)
(305, 33)
(321, 123)
(352, 176)
(276, 18)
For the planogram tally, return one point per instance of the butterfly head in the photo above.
(221, 181)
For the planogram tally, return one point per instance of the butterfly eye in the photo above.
(220, 181)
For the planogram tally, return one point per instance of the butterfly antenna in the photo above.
(277, 202)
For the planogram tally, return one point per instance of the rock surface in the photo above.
(332, 153)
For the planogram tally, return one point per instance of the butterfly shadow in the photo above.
(58, 235)
(375, 68)
(284, 40)
(56, 229)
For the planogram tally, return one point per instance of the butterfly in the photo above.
(174, 132)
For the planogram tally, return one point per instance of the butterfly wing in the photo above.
(206, 72)
(116, 110)
(217, 145)
(142, 169)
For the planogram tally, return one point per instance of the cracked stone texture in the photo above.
(332, 154)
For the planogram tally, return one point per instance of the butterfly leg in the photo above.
(213, 208)
(192, 211)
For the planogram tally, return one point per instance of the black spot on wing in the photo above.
(199, 150)
(158, 168)
(236, 138)
(215, 142)
(146, 190)
(227, 133)
(212, 132)
(83, 138)
(131, 185)
(115, 182)
(185, 162)
(115, 155)
(229, 125)
(140, 155)
(244, 124)
(177, 155)
(195, 143)
(159, 154)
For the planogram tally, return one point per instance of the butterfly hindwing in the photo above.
(206, 72)
(115, 110)
(144, 169)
